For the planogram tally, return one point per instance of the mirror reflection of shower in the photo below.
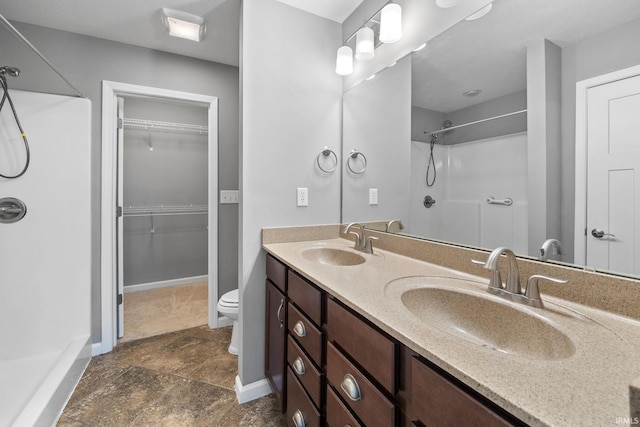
(431, 163)
(13, 72)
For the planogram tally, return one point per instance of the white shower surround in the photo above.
(45, 282)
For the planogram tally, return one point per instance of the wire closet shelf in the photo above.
(155, 125)
(132, 211)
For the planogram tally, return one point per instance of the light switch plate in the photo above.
(229, 197)
(303, 196)
(373, 196)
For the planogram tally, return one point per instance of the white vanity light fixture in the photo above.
(445, 4)
(344, 61)
(183, 25)
(365, 47)
(479, 14)
(391, 23)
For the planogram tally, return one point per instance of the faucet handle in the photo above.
(368, 246)
(532, 291)
(357, 237)
(495, 283)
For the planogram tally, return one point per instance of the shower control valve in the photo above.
(428, 201)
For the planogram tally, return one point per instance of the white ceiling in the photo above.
(137, 22)
(335, 10)
(490, 53)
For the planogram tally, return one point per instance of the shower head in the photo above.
(12, 71)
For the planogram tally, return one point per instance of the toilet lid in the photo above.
(230, 299)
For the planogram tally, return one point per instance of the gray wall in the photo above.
(163, 168)
(86, 61)
(377, 121)
(605, 53)
(291, 99)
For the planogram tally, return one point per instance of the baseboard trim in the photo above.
(165, 283)
(253, 391)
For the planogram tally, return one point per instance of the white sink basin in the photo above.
(333, 256)
(481, 319)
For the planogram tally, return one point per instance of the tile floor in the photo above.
(182, 378)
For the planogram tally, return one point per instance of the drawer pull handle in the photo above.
(298, 365)
(299, 329)
(350, 386)
(298, 418)
(279, 311)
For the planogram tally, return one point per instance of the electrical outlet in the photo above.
(229, 197)
(303, 196)
(373, 196)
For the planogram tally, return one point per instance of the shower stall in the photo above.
(44, 235)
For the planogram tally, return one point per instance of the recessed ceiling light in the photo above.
(479, 14)
(472, 92)
(183, 25)
(392, 64)
(371, 77)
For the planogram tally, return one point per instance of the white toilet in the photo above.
(228, 307)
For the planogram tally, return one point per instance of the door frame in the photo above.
(108, 261)
(582, 88)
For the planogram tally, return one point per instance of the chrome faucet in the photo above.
(547, 246)
(394, 221)
(511, 288)
(512, 285)
(362, 241)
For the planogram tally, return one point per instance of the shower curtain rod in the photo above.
(435, 132)
(24, 40)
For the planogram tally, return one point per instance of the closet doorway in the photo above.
(159, 211)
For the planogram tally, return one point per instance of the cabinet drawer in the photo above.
(305, 333)
(376, 353)
(306, 296)
(438, 402)
(299, 405)
(306, 372)
(277, 272)
(338, 415)
(366, 401)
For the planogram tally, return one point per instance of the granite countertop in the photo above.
(589, 385)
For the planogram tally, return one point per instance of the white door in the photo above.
(613, 176)
(120, 219)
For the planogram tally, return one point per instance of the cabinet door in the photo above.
(275, 352)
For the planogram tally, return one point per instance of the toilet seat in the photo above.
(229, 300)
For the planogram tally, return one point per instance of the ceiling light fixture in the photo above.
(479, 14)
(183, 25)
(472, 92)
(390, 22)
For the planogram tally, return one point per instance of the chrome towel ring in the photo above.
(354, 155)
(326, 152)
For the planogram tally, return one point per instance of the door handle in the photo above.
(599, 234)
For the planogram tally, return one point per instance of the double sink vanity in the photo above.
(380, 329)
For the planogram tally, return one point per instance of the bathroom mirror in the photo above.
(481, 179)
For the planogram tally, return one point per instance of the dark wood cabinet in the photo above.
(276, 344)
(340, 369)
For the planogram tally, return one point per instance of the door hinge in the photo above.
(119, 299)
(120, 123)
(119, 211)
